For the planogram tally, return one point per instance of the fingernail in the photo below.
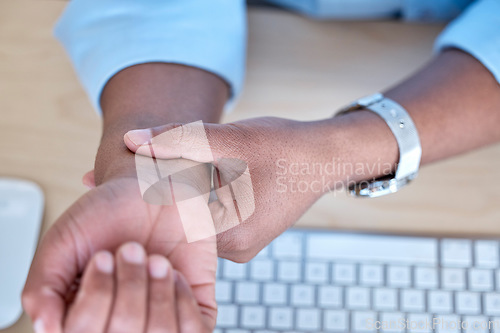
(133, 253)
(38, 326)
(104, 262)
(158, 267)
(139, 137)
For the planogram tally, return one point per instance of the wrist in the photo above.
(360, 146)
(151, 95)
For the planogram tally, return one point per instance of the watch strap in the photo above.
(404, 130)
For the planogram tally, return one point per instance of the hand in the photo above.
(133, 291)
(104, 218)
(274, 149)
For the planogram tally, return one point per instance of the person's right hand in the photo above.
(103, 219)
(113, 289)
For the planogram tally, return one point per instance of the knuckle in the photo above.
(237, 246)
(155, 131)
(161, 297)
(100, 287)
(132, 281)
(120, 324)
(28, 300)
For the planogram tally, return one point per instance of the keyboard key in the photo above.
(317, 272)
(440, 301)
(281, 318)
(371, 275)
(419, 323)
(275, 294)
(357, 298)
(302, 295)
(363, 321)
(495, 324)
(344, 274)
(453, 278)
(486, 254)
(309, 295)
(492, 304)
(399, 276)
(308, 319)
(412, 300)
(247, 292)
(370, 249)
(253, 317)
(467, 303)
(480, 279)
(392, 322)
(476, 324)
(330, 297)
(223, 292)
(456, 252)
(261, 270)
(497, 279)
(234, 271)
(336, 321)
(447, 324)
(227, 316)
(289, 271)
(288, 246)
(426, 278)
(385, 299)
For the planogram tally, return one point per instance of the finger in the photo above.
(162, 311)
(89, 313)
(129, 309)
(188, 311)
(88, 179)
(188, 141)
(139, 137)
(199, 270)
(234, 189)
(52, 272)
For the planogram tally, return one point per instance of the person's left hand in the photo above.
(113, 286)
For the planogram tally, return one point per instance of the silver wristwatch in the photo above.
(410, 150)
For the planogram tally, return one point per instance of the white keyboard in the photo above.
(322, 281)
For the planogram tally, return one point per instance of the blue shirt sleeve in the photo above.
(103, 37)
(477, 32)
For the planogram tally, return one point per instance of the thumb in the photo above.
(189, 141)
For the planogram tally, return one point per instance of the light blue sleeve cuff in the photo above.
(477, 32)
(103, 37)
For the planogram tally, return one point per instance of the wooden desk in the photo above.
(297, 68)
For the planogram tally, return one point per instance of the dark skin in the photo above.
(454, 102)
(147, 95)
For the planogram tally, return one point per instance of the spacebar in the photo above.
(373, 248)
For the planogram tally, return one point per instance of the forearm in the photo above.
(454, 102)
(150, 95)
